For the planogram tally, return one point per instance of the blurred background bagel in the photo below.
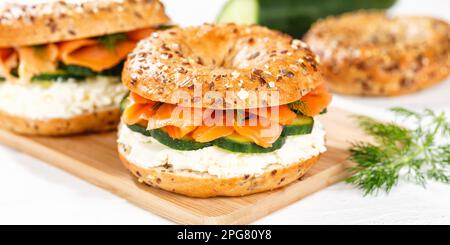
(371, 54)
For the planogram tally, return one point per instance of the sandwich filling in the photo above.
(152, 134)
(147, 152)
(259, 130)
(65, 79)
(75, 59)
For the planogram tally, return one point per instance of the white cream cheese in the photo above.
(146, 152)
(45, 100)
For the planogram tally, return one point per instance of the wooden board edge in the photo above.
(291, 193)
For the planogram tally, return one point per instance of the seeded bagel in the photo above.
(54, 21)
(203, 185)
(99, 121)
(371, 54)
(226, 61)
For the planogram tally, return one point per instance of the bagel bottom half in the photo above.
(349, 82)
(203, 185)
(94, 122)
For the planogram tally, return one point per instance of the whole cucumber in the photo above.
(294, 17)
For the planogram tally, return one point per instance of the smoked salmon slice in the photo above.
(136, 113)
(173, 115)
(37, 60)
(205, 134)
(8, 60)
(264, 134)
(178, 132)
(5, 53)
(137, 99)
(279, 114)
(91, 54)
(140, 34)
(316, 101)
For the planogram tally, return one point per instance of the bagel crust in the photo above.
(55, 21)
(219, 66)
(371, 54)
(201, 185)
(94, 122)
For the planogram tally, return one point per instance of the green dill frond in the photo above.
(417, 154)
(405, 113)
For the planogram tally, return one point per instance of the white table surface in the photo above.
(33, 192)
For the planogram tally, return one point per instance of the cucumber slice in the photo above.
(163, 138)
(15, 72)
(177, 144)
(86, 72)
(292, 16)
(300, 125)
(236, 143)
(116, 71)
(240, 11)
(76, 70)
(67, 72)
(140, 129)
(123, 103)
(56, 77)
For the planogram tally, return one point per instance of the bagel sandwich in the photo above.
(61, 62)
(221, 110)
(381, 55)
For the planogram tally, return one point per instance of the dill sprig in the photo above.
(417, 154)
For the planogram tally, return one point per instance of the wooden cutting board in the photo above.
(94, 159)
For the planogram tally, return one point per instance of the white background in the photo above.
(32, 192)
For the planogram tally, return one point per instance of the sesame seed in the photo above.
(235, 74)
(185, 82)
(243, 94)
(317, 59)
(165, 56)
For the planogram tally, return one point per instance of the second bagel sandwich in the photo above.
(61, 62)
(221, 110)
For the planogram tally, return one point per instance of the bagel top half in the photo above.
(25, 24)
(222, 67)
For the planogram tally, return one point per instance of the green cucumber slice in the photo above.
(301, 125)
(140, 129)
(60, 77)
(163, 138)
(86, 72)
(76, 70)
(116, 71)
(240, 11)
(66, 72)
(177, 144)
(235, 143)
(123, 103)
